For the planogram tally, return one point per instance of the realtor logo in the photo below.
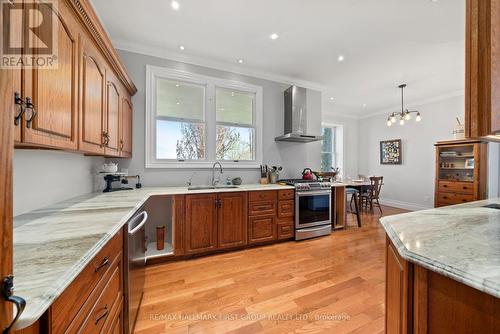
(29, 34)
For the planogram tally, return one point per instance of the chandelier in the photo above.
(403, 115)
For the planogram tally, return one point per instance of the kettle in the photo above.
(110, 167)
(307, 174)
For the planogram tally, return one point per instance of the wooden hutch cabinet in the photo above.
(461, 172)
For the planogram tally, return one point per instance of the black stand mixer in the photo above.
(123, 179)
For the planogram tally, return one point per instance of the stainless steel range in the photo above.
(313, 212)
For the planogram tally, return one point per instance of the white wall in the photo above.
(292, 156)
(411, 184)
(42, 178)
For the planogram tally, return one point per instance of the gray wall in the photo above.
(292, 156)
(42, 178)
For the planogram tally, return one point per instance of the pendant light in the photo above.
(404, 114)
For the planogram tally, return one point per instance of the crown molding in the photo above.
(416, 103)
(214, 64)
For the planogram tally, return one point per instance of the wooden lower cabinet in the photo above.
(201, 223)
(422, 301)
(286, 229)
(261, 229)
(232, 220)
(396, 293)
(204, 223)
(90, 304)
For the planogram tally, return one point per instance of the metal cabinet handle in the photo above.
(22, 108)
(31, 106)
(8, 295)
(104, 263)
(105, 139)
(121, 144)
(104, 314)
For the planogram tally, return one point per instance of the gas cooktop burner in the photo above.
(304, 185)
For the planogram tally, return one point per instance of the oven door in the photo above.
(312, 208)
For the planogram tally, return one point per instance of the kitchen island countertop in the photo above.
(52, 245)
(461, 242)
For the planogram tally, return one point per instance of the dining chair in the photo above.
(372, 194)
(354, 198)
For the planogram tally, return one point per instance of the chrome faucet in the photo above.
(215, 181)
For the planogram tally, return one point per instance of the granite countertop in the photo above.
(52, 245)
(461, 242)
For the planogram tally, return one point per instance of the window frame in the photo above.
(211, 83)
(339, 144)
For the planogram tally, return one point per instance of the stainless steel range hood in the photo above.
(296, 117)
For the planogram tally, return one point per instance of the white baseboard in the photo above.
(404, 205)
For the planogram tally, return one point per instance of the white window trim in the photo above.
(153, 72)
(335, 150)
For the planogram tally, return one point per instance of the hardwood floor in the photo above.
(332, 284)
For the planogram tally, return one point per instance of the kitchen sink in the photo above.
(211, 187)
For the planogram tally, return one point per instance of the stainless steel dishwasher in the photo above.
(135, 265)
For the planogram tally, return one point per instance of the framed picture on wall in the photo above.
(390, 152)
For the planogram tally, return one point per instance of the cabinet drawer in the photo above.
(65, 308)
(286, 209)
(101, 314)
(456, 187)
(81, 318)
(285, 230)
(262, 208)
(265, 195)
(261, 229)
(452, 198)
(286, 194)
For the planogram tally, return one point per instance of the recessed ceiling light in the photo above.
(175, 5)
(240, 61)
(232, 93)
(340, 58)
(331, 98)
(274, 36)
(176, 85)
(181, 47)
(434, 0)
(178, 103)
(364, 105)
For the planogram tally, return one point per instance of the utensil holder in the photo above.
(160, 237)
(264, 180)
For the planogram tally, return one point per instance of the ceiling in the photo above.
(384, 43)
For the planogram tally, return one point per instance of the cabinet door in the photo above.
(92, 99)
(201, 223)
(111, 119)
(54, 91)
(261, 229)
(126, 128)
(396, 299)
(232, 220)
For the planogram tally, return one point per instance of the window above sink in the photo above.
(194, 120)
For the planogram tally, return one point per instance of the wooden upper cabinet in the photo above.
(126, 127)
(112, 117)
(232, 219)
(201, 223)
(53, 92)
(76, 104)
(92, 105)
(482, 65)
